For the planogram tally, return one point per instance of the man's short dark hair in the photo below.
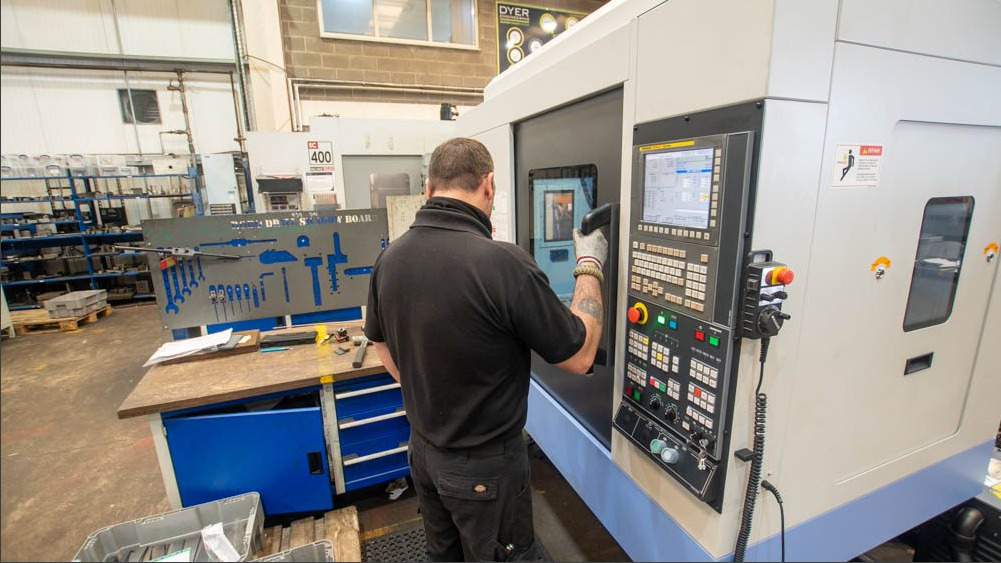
(459, 164)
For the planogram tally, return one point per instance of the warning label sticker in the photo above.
(857, 166)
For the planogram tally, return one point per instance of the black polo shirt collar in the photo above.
(454, 215)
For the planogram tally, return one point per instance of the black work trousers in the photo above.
(478, 499)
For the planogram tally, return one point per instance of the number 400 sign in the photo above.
(321, 153)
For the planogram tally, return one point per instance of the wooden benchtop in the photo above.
(212, 381)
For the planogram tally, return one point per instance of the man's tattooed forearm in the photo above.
(592, 308)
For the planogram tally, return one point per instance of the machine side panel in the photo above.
(966, 30)
(937, 121)
(682, 68)
(802, 49)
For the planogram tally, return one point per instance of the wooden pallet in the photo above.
(38, 320)
(339, 526)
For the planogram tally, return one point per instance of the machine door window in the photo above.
(560, 199)
(938, 262)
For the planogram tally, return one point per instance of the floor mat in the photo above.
(408, 544)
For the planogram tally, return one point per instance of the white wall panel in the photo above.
(59, 25)
(169, 28)
(177, 29)
(79, 112)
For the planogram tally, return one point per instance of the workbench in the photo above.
(297, 426)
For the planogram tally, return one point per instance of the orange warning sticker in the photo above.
(881, 261)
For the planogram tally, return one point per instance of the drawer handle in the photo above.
(918, 363)
(315, 461)
(369, 391)
(351, 460)
(350, 423)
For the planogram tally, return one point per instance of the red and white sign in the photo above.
(320, 156)
(857, 166)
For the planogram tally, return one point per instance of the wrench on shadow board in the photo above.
(177, 286)
(171, 308)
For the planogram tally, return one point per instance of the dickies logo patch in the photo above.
(480, 489)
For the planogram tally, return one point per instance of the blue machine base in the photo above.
(850, 530)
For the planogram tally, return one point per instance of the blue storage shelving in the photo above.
(82, 197)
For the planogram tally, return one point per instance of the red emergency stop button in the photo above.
(637, 314)
(782, 276)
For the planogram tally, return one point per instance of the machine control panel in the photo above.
(689, 199)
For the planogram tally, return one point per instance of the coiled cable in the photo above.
(757, 461)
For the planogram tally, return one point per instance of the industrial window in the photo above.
(440, 23)
(144, 107)
(939, 259)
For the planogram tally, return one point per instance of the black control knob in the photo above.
(770, 321)
(781, 295)
(671, 414)
(655, 403)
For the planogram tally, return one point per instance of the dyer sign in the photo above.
(522, 30)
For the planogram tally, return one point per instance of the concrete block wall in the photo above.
(307, 55)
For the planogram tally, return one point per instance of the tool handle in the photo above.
(597, 218)
(359, 356)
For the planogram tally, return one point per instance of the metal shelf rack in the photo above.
(83, 203)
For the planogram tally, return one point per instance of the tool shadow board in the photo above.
(265, 265)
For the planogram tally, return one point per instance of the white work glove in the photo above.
(590, 248)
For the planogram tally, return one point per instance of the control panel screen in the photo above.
(677, 188)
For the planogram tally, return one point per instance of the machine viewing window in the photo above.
(677, 188)
(558, 207)
(938, 262)
(560, 197)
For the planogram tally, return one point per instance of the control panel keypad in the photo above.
(639, 345)
(703, 373)
(636, 374)
(701, 398)
(694, 415)
(664, 272)
(660, 357)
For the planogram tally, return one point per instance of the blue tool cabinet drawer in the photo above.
(279, 452)
(373, 431)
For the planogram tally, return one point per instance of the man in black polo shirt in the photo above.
(454, 315)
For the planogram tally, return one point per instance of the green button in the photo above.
(637, 395)
(713, 341)
(661, 319)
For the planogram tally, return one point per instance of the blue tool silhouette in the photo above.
(313, 263)
(333, 260)
(239, 242)
(264, 296)
(276, 257)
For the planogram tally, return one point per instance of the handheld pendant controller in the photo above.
(764, 292)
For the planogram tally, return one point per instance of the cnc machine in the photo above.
(804, 248)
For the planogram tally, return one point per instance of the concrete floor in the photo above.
(70, 467)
